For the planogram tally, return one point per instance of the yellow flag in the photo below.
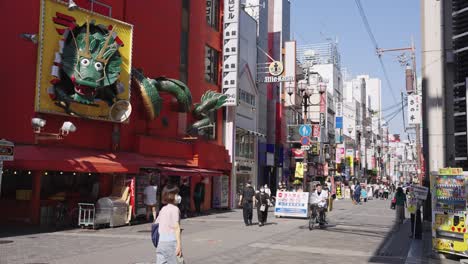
(299, 170)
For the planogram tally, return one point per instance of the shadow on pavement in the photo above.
(395, 246)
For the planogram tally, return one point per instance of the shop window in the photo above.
(212, 13)
(211, 65)
(16, 185)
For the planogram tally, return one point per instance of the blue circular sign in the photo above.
(305, 140)
(305, 130)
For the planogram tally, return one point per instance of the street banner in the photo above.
(299, 170)
(293, 204)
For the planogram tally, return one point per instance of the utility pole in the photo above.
(415, 90)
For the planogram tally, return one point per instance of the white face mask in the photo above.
(178, 199)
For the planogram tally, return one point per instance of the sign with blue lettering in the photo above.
(305, 130)
(339, 122)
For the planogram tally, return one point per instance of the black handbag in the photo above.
(155, 234)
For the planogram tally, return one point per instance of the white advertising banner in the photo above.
(294, 204)
(231, 50)
(414, 109)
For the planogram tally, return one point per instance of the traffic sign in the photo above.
(305, 140)
(305, 130)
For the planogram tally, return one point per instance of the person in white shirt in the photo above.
(319, 198)
(150, 200)
(267, 190)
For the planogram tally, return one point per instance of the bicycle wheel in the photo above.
(312, 221)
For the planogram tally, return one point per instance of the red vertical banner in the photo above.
(132, 195)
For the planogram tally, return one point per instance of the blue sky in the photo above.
(393, 23)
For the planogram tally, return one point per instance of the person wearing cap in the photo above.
(246, 201)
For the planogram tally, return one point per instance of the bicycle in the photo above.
(316, 217)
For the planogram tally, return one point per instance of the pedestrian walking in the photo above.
(150, 199)
(357, 193)
(267, 190)
(246, 201)
(170, 246)
(364, 194)
(386, 192)
(199, 196)
(185, 194)
(263, 201)
(400, 202)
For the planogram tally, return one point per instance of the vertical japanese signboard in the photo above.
(414, 109)
(230, 50)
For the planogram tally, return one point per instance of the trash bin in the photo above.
(112, 211)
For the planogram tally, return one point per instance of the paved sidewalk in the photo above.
(355, 234)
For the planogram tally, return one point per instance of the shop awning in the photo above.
(31, 157)
(189, 171)
(242, 131)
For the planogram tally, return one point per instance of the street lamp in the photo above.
(306, 91)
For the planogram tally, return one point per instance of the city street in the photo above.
(356, 234)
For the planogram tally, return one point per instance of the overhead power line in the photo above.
(376, 45)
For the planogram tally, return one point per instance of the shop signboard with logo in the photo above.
(292, 204)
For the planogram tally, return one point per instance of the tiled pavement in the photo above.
(356, 234)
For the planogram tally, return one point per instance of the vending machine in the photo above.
(449, 211)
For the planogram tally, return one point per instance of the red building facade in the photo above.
(170, 38)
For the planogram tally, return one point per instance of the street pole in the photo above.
(306, 161)
(418, 126)
(1, 174)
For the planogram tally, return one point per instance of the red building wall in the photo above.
(156, 50)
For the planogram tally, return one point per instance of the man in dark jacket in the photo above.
(246, 200)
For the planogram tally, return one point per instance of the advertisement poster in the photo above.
(220, 191)
(293, 204)
(299, 170)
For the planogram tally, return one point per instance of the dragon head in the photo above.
(91, 60)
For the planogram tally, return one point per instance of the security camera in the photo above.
(37, 123)
(72, 5)
(67, 127)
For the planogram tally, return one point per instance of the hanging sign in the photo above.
(231, 48)
(414, 109)
(7, 150)
(299, 170)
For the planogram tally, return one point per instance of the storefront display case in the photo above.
(449, 213)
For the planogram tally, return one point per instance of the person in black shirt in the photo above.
(246, 200)
(263, 200)
(185, 194)
(199, 196)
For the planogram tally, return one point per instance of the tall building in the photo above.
(322, 62)
(258, 9)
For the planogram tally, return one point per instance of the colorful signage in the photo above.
(7, 150)
(84, 63)
(293, 204)
(231, 51)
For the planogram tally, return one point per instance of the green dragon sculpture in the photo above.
(203, 111)
(89, 69)
(90, 66)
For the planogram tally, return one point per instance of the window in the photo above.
(246, 97)
(184, 40)
(212, 13)
(211, 65)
